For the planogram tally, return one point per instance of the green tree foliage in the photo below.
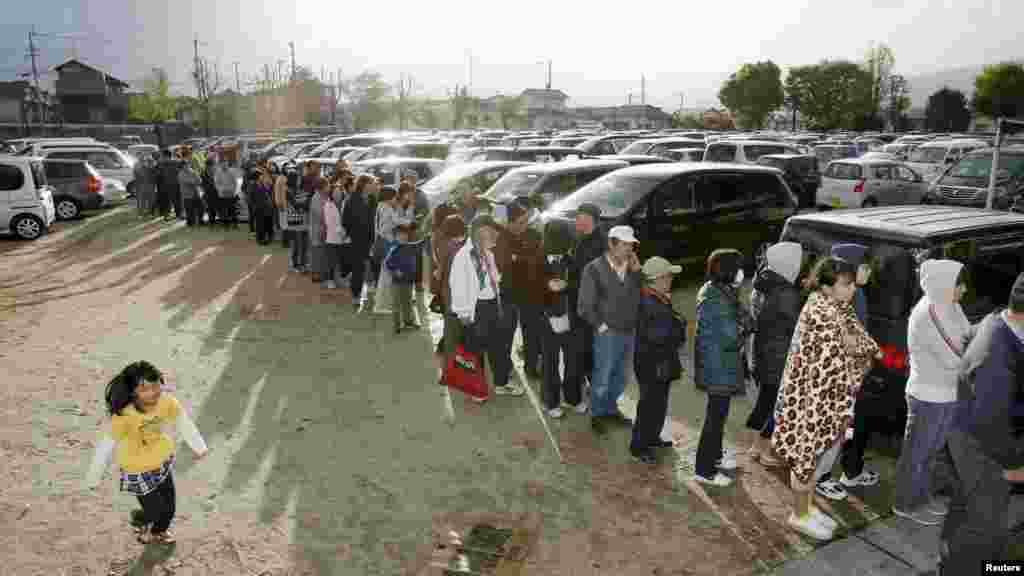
(999, 90)
(753, 92)
(947, 111)
(879, 62)
(687, 121)
(426, 116)
(465, 108)
(155, 104)
(370, 95)
(510, 111)
(832, 94)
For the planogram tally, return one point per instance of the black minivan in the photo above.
(989, 243)
(684, 210)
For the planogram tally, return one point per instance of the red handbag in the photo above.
(465, 372)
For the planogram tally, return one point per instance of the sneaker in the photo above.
(509, 390)
(810, 526)
(720, 480)
(769, 459)
(659, 443)
(644, 458)
(917, 516)
(478, 399)
(824, 519)
(581, 408)
(832, 490)
(865, 478)
(938, 507)
(555, 413)
(727, 461)
(331, 285)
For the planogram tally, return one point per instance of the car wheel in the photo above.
(27, 227)
(67, 208)
(870, 203)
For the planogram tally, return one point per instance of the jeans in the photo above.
(709, 448)
(486, 337)
(976, 528)
(611, 351)
(299, 247)
(158, 506)
(555, 387)
(928, 427)
(650, 412)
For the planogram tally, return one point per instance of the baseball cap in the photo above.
(656, 267)
(623, 234)
(589, 208)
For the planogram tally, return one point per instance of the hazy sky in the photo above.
(599, 50)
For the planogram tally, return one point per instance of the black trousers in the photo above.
(764, 407)
(226, 209)
(210, 202)
(179, 203)
(158, 506)
(487, 337)
(650, 413)
(556, 388)
(709, 449)
(356, 256)
(976, 528)
(163, 200)
(264, 222)
(529, 318)
(193, 211)
(852, 454)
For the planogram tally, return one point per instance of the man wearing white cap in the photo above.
(609, 300)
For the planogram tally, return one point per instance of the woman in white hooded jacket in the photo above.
(937, 335)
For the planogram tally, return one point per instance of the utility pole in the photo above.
(470, 56)
(643, 90)
(35, 75)
(238, 83)
(549, 75)
(292, 46)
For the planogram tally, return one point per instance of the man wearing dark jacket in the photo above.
(986, 456)
(358, 222)
(590, 244)
(167, 185)
(520, 259)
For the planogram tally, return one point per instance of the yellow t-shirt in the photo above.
(142, 442)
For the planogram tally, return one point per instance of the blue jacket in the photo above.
(659, 335)
(401, 261)
(717, 342)
(990, 391)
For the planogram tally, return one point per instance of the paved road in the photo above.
(328, 449)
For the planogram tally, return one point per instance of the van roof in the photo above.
(910, 224)
(568, 166)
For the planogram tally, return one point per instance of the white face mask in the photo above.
(739, 277)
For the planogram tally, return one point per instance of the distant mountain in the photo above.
(923, 86)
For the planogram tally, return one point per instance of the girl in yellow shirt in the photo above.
(139, 413)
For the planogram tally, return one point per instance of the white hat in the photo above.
(623, 234)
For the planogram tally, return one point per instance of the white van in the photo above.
(931, 159)
(26, 202)
(745, 151)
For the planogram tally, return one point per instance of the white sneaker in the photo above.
(509, 390)
(810, 526)
(938, 507)
(832, 490)
(720, 480)
(555, 413)
(331, 285)
(825, 520)
(581, 408)
(865, 478)
(728, 461)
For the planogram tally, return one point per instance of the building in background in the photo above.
(88, 95)
(545, 109)
(628, 117)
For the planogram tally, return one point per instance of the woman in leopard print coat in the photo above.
(829, 355)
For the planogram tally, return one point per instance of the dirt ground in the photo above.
(328, 452)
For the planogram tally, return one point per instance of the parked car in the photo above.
(76, 185)
(932, 158)
(800, 172)
(109, 162)
(528, 154)
(966, 182)
(686, 155)
(390, 170)
(635, 159)
(26, 202)
(545, 184)
(479, 176)
(745, 151)
(989, 244)
(859, 183)
(358, 140)
(684, 210)
(826, 153)
(436, 150)
(137, 151)
(568, 141)
(607, 144)
(659, 146)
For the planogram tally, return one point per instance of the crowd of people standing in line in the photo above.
(587, 308)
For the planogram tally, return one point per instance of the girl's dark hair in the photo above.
(362, 182)
(121, 390)
(829, 270)
(387, 193)
(723, 264)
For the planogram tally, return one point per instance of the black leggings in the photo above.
(158, 506)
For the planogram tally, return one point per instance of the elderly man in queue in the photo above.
(520, 254)
(609, 301)
(590, 245)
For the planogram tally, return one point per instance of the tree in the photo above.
(464, 108)
(689, 121)
(403, 105)
(155, 104)
(879, 62)
(510, 110)
(832, 94)
(899, 99)
(369, 99)
(947, 111)
(753, 92)
(208, 81)
(999, 90)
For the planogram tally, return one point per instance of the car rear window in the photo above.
(844, 171)
(724, 153)
(755, 151)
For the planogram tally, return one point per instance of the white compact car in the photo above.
(860, 183)
(26, 203)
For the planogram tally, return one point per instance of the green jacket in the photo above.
(717, 351)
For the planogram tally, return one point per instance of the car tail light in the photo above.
(94, 184)
(859, 188)
(894, 357)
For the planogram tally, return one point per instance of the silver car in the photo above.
(861, 183)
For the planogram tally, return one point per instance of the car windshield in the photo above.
(640, 147)
(613, 193)
(928, 155)
(447, 180)
(980, 165)
(514, 184)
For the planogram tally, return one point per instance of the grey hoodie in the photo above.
(934, 364)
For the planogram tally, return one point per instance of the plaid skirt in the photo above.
(143, 483)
